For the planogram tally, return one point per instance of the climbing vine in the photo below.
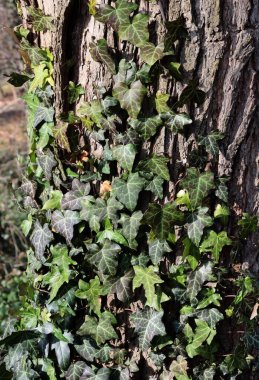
(124, 281)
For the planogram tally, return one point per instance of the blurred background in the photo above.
(13, 146)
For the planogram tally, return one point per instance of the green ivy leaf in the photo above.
(54, 203)
(125, 155)
(214, 243)
(60, 135)
(179, 368)
(176, 122)
(105, 259)
(130, 97)
(162, 219)
(72, 200)
(45, 133)
(136, 31)
(222, 190)
(210, 142)
(150, 53)
(130, 227)
(122, 287)
(40, 238)
(196, 223)
(157, 249)
(43, 113)
(87, 350)
(62, 351)
(40, 21)
(74, 91)
(115, 16)
(100, 53)
(128, 191)
(60, 271)
(210, 316)
(47, 162)
(198, 185)
(148, 278)
(156, 187)
(92, 292)
(77, 371)
(202, 333)
(248, 224)
(100, 330)
(148, 127)
(63, 223)
(156, 165)
(41, 74)
(161, 103)
(148, 323)
(197, 279)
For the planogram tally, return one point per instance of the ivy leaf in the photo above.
(105, 259)
(100, 330)
(175, 30)
(156, 187)
(210, 142)
(63, 223)
(47, 162)
(148, 323)
(148, 127)
(125, 155)
(196, 224)
(175, 122)
(54, 202)
(113, 206)
(41, 74)
(77, 371)
(59, 270)
(128, 191)
(115, 16)
(157, 249)
(136, 32)
(214, 243)
(72, 200)
(100, 53)
(179, 368)
(60, 135)
(162, 218)
(74, 91)
(156, 165)
(130, 226)
(148, 278)
(161, 103)
(92, 292)
(222, 190)
(210, 316)
(62, 351)
(191, 93)
(130, 97)
(40, 21)
(122, 287)
(88, 349)
(17, 80)
(202, 333)
(150, 53)
(43, 113)
(197, 279)
(198, 185)
(40, 238)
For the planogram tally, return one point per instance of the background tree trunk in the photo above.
(221, 52)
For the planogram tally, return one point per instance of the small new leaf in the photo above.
(214, 243)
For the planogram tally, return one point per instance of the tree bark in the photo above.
(221, 52)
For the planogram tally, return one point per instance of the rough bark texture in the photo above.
(222, 51)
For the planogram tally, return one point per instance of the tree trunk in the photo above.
(221, 51)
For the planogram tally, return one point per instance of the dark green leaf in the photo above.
(100, 53)
(128, 191)
(40, 238)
